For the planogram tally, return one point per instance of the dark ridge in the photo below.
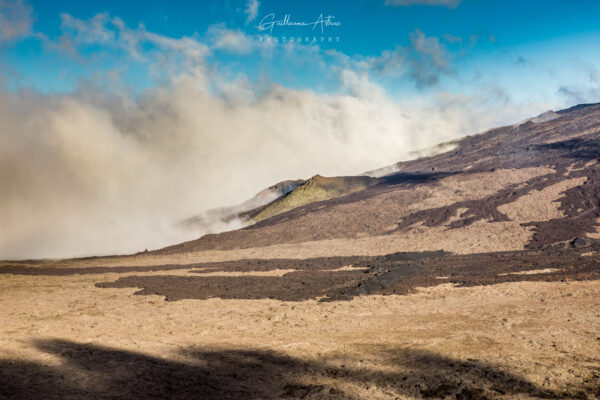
(582, 148)
(386, 275)
(581, 206)
(414, 178)
(576, 108)
(59, 271)
(310, 264)
(482, 209)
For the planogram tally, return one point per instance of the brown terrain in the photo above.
(471, 274)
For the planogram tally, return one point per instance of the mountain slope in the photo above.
(317, 188)
(527, 185)
(220, 218)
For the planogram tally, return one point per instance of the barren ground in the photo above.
(523, 331)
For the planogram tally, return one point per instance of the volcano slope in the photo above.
(511, 188)
(472, 274)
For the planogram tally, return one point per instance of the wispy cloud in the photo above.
(251, 10)
(231, 40)
(430, 59)
(138, 43)
(91, 31)
(589, 92)
(111, 33)
(423, 62)
(15, 19)
(389, 62)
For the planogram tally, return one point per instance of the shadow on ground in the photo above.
(92, 372)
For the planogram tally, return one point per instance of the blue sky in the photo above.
(540, 45)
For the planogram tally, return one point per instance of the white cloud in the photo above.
(15, 19)
(585, 92)
(359, 85)
(86, 175)
(251, 10)
(102, 29)
(231, 40)
(425, 61)
(389, 62)
(90, 31)
(430, 59)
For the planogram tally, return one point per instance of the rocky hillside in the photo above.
(528, 185)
